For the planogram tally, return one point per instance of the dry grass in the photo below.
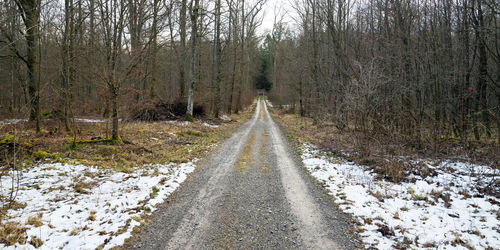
(36, 242)
(35, 220)
(12, 233)
(143, 142)
(91, 216)
(373, 150)
(244, 160)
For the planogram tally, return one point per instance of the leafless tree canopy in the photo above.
(110, 57)
(423, 69)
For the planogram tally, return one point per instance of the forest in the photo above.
(422, 69)
(223, 124)
(112, 58)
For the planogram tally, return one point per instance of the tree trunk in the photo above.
(154, 45)
(232, 20)
(481, 101)
(67, 62)
(114, 100)
(241, 83)
(30, 10)
(218, 50)
(194, 29)
(483, 69)
(182, 23)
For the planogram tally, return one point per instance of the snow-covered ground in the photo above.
(444, 211)
(210, 125)
(85, 207)
(269, 103)
(12, 121)
(86, 120)
(90, 120)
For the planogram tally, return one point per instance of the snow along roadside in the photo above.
(443, 211)
(86, 207)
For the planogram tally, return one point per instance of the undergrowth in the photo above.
(390, 157)
(142, 143)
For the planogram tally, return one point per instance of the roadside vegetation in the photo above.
(101, 180)
(382, 152)
(403, 197)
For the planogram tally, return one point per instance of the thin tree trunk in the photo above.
(241, 83)
(114, 99)
(67, 41)
(218, 50)
(154, 49)
(182, 53)
(232, 21)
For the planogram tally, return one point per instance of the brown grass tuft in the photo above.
(91, 216)
(35, 220)
(36, 242)
(12, 233)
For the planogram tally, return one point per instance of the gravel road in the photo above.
(252, 193)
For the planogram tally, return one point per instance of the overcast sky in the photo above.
(271, 9)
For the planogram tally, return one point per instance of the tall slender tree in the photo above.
(30, 13)
(218, 51)
(182, 52)
(194, 12)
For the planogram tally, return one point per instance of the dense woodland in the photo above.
(422, 69)
(65, 58)
(426, 70)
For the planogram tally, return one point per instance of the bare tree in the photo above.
(194, 12)
(182, 53)
(30, 13)
(113, 15)
(218, 51)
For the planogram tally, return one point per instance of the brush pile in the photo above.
(164, 111)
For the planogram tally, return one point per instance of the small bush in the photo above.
(385, 230)
(154, 192)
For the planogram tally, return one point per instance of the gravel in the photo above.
(251, 193)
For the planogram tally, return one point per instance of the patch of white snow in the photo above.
(68, 195)
(444, 211)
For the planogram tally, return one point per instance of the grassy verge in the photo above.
(143, 142)
(386, 155)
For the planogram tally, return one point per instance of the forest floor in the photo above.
(95, 193)
(401, 199)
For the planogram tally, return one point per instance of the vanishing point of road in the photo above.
(251, 193)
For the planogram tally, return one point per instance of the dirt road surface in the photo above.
(249, 194)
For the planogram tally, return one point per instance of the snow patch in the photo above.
(210, 125)
(12, 121)
(444, 211)
(269, 103)
(85, 207)
(91, 120)
(225, 118)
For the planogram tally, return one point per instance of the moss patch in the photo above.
(244, 160)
